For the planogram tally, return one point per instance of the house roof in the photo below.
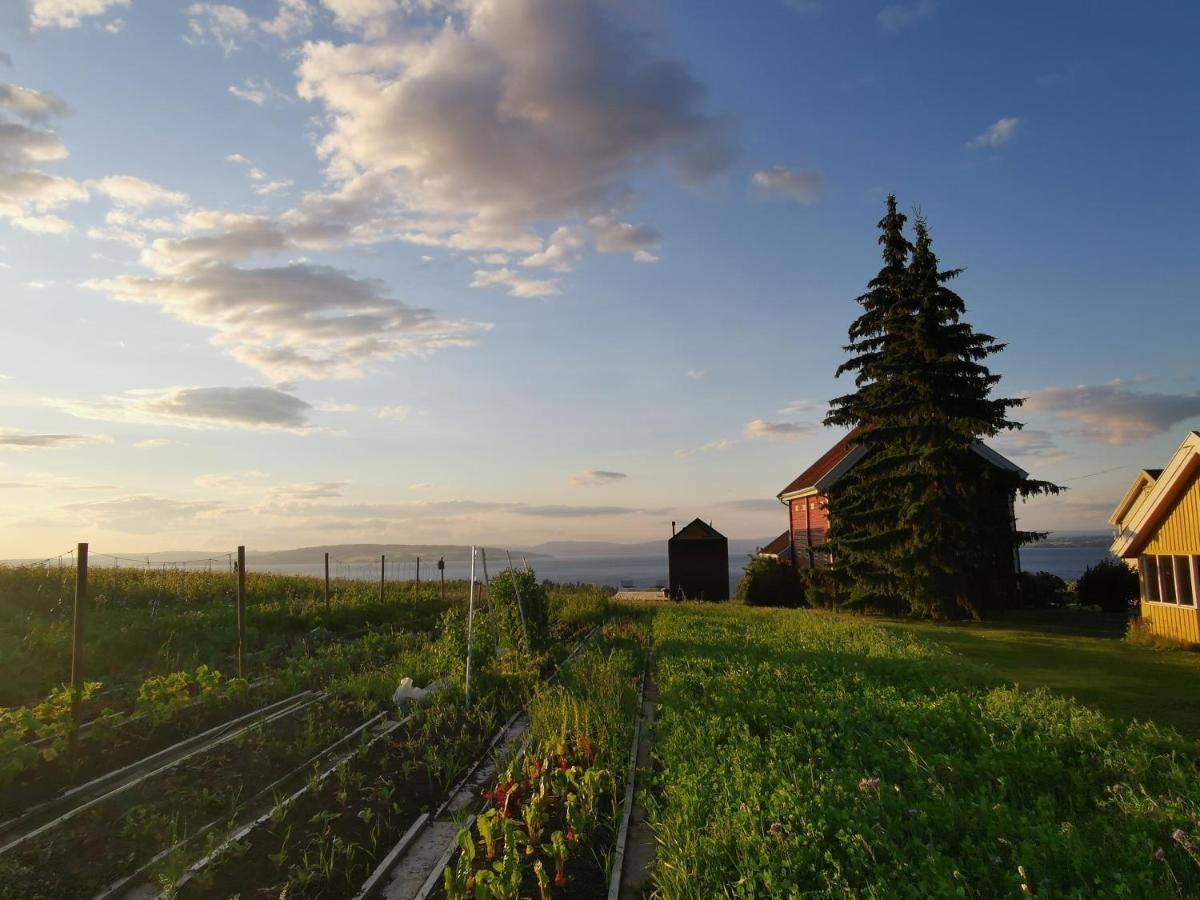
(697, 530)
(1137, 492)
(825, 464)
(777, 546)
(843, 455)
(1170, 484)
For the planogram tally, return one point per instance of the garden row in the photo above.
(306, 800)
(801, 753)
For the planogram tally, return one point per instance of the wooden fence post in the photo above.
(382, 557)
(327, 583)
(442, 573)
(241, 611)
(418, 573)
(81, 592)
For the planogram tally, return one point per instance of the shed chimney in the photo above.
(672, 529)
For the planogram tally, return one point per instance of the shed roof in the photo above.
(697, 530)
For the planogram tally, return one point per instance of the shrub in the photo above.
(576, 608)
(768, 582)
(1110, 584)
(507, 588)
(1042, 589)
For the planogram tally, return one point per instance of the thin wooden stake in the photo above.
(382, 574)
(470, 625)
(326, 583)
(241, 611)
(442, 572)
(418, 573)
(81, 592)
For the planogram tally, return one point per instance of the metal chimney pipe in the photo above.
(672, 529)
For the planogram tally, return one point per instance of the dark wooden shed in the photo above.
(698, 559)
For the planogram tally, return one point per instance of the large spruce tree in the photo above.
(921, 525)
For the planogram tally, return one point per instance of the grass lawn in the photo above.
(1080, 655)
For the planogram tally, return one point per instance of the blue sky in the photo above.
(411, 270)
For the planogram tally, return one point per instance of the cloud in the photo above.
(803, 187)
(256, 91)
(696, 374)
(130, 191)
(26, 191)
(1030, 443)
(723, 444)
(140, 514)
(813, 408)
(46, 481)
(69, 13)
(394, 412)
(518, 285)
(999, 132)
(43, 224)
(290, 322)
(900, 16)
(421, 486)
(20, 440)
(1113, 415)
(503, 117)
(596, 478)
(228, 26)
(199, 407)
(753, 505)
(761, 429)
(30, 104)
(559, 511)
(153, 443)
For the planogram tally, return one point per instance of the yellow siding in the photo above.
(1179, 622)
(1180, 530)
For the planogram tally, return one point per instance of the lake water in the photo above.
(647, 571)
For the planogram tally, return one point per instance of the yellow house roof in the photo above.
(1138, 519)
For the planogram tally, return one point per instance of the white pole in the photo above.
(470, 624)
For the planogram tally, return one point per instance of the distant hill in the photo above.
(1092, 538)
(359, 553)
(593, 549)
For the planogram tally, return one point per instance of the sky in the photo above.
(288, 272)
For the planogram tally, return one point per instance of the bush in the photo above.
(1042, 589)
(509, 586)
(768, 582)
(575, 608)
(1110, 585)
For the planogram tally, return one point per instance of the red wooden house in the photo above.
(807, 499)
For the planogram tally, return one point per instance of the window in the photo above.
(1183, 580)
(1166, 580)
(1150, 578)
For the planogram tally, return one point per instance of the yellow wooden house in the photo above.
(1157, 528)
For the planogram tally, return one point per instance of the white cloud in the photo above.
(27, 192)
(1112, 414)
(503, 117)
(803, 187)
(811, 408)
(153, 443)
(761, 429)
(266, 188)
(69, 13)
(999, 132)
(260, 92)
(30, 104)
(140, 514)
(696, 374)
(899, 16)
(43, 224)
(518, 285)
(198, 407)
(116, 26)
(723, 444)
(228, 26)
(421, 486)
(130, 191)
(21, 440)
(298, 321)
(596, 478)
(399, 413)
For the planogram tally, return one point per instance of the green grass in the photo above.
(804, 754)
(1079, 655)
